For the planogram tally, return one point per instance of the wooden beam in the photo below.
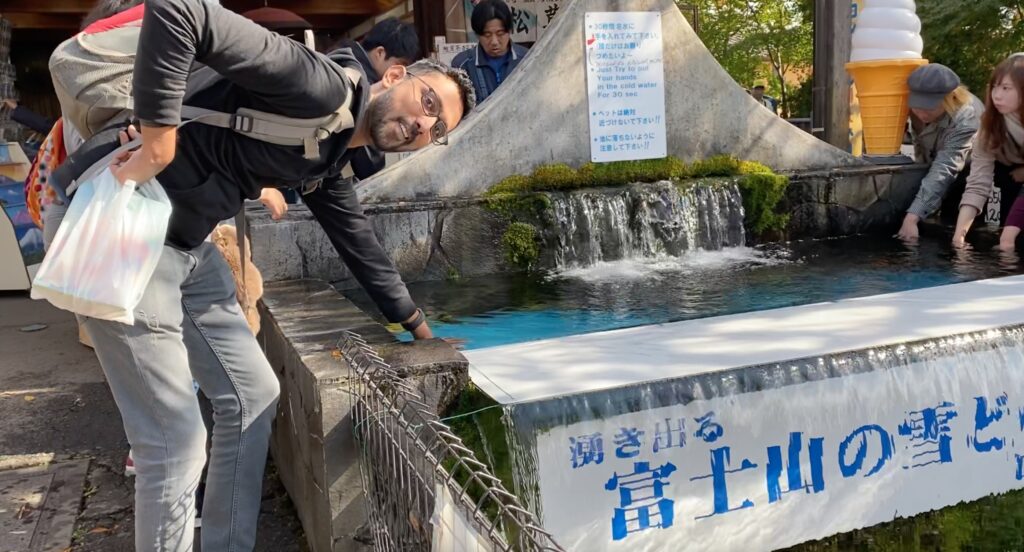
(830, 96)
(429, 21)
(332, 22)
(301, 7)
(43, 21)
(47, 6)
(316, 7)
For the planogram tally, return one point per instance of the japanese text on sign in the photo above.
(625, 85)
(782, 466)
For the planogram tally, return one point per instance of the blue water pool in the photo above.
(503, 309)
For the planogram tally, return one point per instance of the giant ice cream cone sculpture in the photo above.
(886, 49)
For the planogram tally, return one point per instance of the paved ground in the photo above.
(57, 411)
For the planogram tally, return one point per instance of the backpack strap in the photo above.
(241, 228)
(282, 130)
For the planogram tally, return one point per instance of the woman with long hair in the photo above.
(998, 158)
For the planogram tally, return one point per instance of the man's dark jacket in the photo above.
(206, 56)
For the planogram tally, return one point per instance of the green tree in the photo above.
(971, 37)
(784, 38)
(758, 38)
(724, 28)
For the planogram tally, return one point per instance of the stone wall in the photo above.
(850, 201)
(313, 442)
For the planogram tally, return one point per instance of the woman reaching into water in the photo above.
(998, 158)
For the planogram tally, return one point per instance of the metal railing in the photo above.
(410, 461)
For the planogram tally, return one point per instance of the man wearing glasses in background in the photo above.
(188, 323)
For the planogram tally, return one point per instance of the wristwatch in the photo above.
(416, 322)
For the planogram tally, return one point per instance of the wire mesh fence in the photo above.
(425, 490)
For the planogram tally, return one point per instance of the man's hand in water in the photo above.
(423, 330)
(273, 200)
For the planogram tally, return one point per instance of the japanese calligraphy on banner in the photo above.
(625, 85)
(773, 468)
(530, 18)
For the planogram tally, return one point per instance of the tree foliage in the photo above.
(754, 39)
(971, 37)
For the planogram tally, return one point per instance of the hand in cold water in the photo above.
(273, 200)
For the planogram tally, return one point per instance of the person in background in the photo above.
(944, 118)
(26, 117)
(998, 157)
(758, 93)
(496, 56)
(390, 42)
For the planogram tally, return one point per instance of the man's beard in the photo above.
(388, 133)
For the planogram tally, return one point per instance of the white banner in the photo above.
(452, 531)
(625, 85)
(770, 469)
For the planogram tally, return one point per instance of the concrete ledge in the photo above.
(313, 443)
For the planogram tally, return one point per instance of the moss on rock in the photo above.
(520, 244)
(523, 200)
(554, 178)
(761, 195)
(514, 184)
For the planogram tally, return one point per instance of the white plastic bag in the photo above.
(106, 249)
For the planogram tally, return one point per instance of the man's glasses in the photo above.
(432, 108)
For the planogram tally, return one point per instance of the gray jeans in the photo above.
(52, 217)
(189, 325)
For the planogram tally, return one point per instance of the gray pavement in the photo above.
(60, 424)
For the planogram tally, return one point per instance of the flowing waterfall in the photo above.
(643, 220)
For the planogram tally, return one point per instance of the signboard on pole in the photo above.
(446, 52)
(625, 86)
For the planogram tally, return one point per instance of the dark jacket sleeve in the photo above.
(366, 162)
(951, 158)
(31, 119)
(294, 80)
(336, 207)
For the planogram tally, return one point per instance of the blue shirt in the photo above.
(499, 64)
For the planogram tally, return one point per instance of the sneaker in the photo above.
(129, 465)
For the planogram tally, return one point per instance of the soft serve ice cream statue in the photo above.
(887, 47)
